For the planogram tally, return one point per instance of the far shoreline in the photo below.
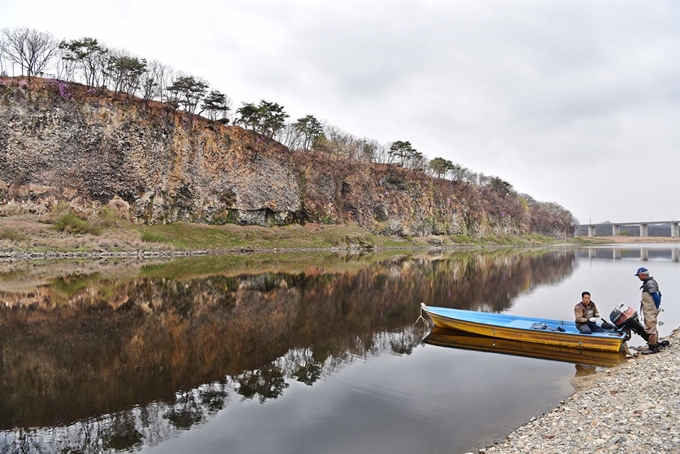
(30, 237)
(623, 239)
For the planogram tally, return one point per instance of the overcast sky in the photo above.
(573, 102)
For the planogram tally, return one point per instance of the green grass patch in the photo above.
(68, 222)
(152, 237)
(232, 265)
(13, 235)
(188, 236)
(108, 218)
(70, 285)
(589, 240)
(461, 239)
(537, 238)
(235, 265)
(497, 239)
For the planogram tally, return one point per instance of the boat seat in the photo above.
(525, 324)
(528, 324)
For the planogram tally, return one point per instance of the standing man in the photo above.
(587, 315)
(650, 301)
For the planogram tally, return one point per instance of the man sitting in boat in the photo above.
(587, 315)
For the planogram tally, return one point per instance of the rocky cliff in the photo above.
(68, 143)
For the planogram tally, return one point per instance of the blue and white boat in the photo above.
(560, 333)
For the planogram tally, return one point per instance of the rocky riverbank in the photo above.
(633, 408)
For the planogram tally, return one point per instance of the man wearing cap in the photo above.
(650, 301)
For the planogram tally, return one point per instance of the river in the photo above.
(294, 353)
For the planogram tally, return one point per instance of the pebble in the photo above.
(637, 411)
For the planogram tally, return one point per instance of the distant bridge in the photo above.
(644, 227)
(631, 253)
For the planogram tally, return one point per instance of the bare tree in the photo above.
(156, 80)
(379, 152)
(457, 172)
(89, 57)
(468, 176)
(65, 69)
(31, 49)
(289, 136)
(371, 150)
(3, 69)
(336, 141)
(165, 77)
(150, 87)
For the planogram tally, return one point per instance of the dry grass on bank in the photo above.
(27, 233)
(622, 239)
(66, 233)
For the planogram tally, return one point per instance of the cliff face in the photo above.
(387, 199)
(64, 141)
(68, 143)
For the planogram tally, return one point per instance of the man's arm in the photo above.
(579, 314)
(596, 313)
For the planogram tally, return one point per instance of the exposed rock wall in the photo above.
(168, 165)
(387, 199)
(67, 142)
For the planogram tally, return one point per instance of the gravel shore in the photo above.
(632, 408)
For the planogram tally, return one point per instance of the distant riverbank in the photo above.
(29, 235)
(628, 239)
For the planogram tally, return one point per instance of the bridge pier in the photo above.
(591, 230)
(616, 230)
(675, 229)
(644, 229)
(644, 254)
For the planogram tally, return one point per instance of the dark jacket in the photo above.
(649, 285)
(650, 292)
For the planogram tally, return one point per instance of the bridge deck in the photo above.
(644, 227)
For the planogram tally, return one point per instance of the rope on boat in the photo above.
(421, 316)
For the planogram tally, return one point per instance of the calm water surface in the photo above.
(294, 353)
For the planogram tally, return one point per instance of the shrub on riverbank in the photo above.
(68, 222)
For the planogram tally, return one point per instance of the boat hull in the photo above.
(500, 326)
(449, 338)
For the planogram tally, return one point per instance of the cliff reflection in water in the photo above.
(137, 358)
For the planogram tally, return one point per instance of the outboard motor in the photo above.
(626, 318)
